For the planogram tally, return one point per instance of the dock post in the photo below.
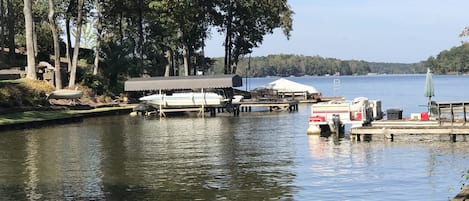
(236, 110)
(213, 112)
(353, 137)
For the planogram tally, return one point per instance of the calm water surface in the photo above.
(257, 156)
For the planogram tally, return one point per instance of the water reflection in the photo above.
(253, 157)
(31, 169)
(197, 158)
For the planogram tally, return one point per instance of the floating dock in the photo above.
(449, 124)
(246, 105)
(405, 130)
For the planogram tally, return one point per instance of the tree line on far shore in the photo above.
(452, 61)
(298, 65)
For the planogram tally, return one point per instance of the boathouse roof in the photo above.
(183, 82)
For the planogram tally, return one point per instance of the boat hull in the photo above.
(65, 94)
(181, 100)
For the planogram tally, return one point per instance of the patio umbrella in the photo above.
(429, 90)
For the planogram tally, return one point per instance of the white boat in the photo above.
(181, 100)
(65, 94)
(331, 116)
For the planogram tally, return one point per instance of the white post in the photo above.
(203, 102)
(161, 102)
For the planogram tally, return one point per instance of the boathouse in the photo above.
(183, 82)
(221, 84)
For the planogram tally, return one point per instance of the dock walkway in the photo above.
(246, 104)
(402, 129)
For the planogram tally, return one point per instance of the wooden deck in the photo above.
(273, 105)
(403, 130)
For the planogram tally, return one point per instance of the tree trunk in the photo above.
(2, 22)
(234, 67)
(228, 38)
(55, 36)
(76, 49)
(34, 39)
(141, 35)
(185, 55)
(227, 53)
(68, 48)
(11, 31)
(176, 63)
(28, 21)
(121, 31)
(98, 37)
(169, 61)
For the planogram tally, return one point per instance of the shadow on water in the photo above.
(122, 158)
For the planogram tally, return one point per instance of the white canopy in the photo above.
(283, 85)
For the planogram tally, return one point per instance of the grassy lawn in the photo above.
(31, 116)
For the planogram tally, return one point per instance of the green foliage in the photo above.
(88, 36)
(246, 22)
(94, 82)
(116, 65)
(453, 61)
(464, 179)
(298, 65)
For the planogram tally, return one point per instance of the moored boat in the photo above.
(181, 100)
(65, 94)
(330, 117)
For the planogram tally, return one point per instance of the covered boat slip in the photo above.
(171, 85)
(448, 122)
(183, 82)
(292, 90)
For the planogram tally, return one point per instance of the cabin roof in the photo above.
(183, 82)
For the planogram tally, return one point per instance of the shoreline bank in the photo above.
(462, 195)
(35, 119)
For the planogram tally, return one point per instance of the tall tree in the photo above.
(246, 22)
(2, 29)
(11, 30)
(28, 20)
(169, 63)
(141, 36)
(76, 49)
(55, 36)
(99, 30)
(189, 19)
(68, 50)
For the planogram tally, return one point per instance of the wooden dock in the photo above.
(450, 124)
(247, 104)
(404, 130)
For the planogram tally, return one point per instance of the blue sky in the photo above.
(405, 31)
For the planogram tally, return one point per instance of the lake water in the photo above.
(256, 156)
